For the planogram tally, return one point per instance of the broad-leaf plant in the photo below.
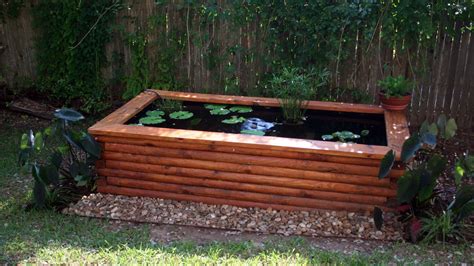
(417, 186)
(60, 159)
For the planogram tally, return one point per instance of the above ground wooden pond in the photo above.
(186, 161)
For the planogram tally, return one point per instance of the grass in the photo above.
(47, 236)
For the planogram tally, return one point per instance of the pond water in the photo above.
(270, 120)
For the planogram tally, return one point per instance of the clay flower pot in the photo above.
(394, 103)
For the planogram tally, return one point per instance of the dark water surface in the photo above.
(317, 123)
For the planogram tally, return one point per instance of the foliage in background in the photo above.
(138, 80)
(71, 49)
(10, 9)
(426, 216)
(71, 156)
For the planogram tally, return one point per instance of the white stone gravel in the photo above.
(313, 223)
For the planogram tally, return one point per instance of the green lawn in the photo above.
(47, 236)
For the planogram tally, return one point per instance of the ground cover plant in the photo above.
(428, 218)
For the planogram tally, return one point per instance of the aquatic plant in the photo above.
(241, 109)
(345, 135)
(214, 106)
(151, 120)
(221, 111)
(294, 87)
(234, 120)
(156, 112)
(171, 105)
(181, 115)
(253, 132)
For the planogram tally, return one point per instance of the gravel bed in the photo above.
(313, 223)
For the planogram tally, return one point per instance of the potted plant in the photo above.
(395, 93)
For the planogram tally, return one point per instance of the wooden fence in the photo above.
(446, 84)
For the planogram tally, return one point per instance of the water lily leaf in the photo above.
(214, 106)
(378, 218)
(386, 164)
(234, 120)
(408, 186)
(68, 114)
(410, 147)
(327, 137)
(156, 112)
(151, 120)
(253, 132)
(364, 132)
(241, 109)
(219, 111)
(181, 115)
(450, 129)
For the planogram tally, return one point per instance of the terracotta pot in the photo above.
(394, 103)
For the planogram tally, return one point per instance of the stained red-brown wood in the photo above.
(236, 195)
(274, 162)
(248, 169)
(249, 178)
(243, 170)
(178, 144)
(269, 189)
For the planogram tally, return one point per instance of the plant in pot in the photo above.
(395, 93)
(294, 87)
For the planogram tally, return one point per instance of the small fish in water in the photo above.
(256, 124)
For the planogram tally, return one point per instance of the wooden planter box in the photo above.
(244, 170)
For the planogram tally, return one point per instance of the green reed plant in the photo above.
(294, 87)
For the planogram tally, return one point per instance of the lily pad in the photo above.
(221, 111)
(364, 132)
(234, 120)
(253, 132)
(214, 106)
(241, 109)
(152, 120)
(181, 115)
(155, 113)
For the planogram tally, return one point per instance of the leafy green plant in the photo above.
(181, 115)
(156, 112)
(416, 188)
(151, 120)
(234, 120)
(138, 80)
(395, 86)
(241, 109)
(214, 106)
(294, 87)
(219, 111)
(71, 157)
(71, 49)
(463, 168)
(253, 132)
(343, 136)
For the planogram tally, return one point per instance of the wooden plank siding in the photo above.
(244, 170)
